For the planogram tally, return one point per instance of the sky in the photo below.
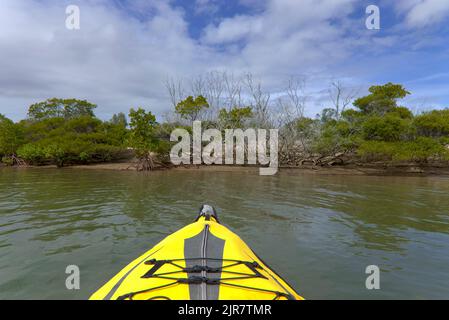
(125, 50)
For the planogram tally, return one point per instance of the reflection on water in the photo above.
(319, 232)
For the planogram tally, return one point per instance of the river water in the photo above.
(318, 232)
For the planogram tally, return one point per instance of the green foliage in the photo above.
(387, 128)
(37, 130)
(235, 117)
(61, 108)
(358, 127)
(65, 131)
(444, 140)
(326, 144)
(343, 128)
(142, 132)
(163, 151)
(87, 127)
(66, 152)
(383, 131)
(382, 99)
(421, 150)
(119, 119)
(352, 116)
(32, 153)
(328, 114)
(433, 124)
(190, 108)
(306, 127)
(8, 160)
(402, 112)
(82, 125)
(11, 136)
(335, 137)
(114, 134)
(80, 140)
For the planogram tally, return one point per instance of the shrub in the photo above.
(65, 152)
(382, 99)
(421, 150)
(11, 136)
(234, 118)
(32, 153)
(334, 138)
(387, 128)
(433, 124)
(72, 140)
(7, 160)
(402, 112)
(352, 115)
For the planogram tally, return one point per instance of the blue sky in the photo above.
(125, 50)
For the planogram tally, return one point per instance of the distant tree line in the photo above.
(367, 129)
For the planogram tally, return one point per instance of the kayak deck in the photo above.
(202, 261)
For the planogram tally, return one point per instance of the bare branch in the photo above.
(341, 96)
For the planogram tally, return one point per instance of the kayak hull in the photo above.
(202, 261)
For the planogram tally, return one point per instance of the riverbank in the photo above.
(372, 169)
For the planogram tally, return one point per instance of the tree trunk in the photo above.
(146, 163)
(18, 161)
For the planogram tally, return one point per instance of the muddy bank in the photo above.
(373, 170)
(360, 169)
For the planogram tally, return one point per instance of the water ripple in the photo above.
(320, 232)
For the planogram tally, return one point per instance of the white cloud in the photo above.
(121, 56)
(289, 37)
(280, 18)
(423, 13)
(118, 61)
(113, 60)
(207, 6)
(233, 29)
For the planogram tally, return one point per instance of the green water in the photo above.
(318, 232)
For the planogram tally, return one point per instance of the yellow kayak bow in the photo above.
(202, 261)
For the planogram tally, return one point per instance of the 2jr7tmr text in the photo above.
(245, 309)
